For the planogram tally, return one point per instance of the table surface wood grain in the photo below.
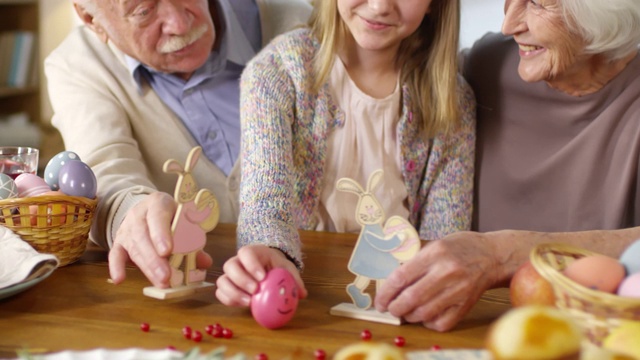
(77, 308)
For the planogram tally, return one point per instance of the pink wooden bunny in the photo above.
(197, 213)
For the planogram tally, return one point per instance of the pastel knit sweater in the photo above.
(285, 127)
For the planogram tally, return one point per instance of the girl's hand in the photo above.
(243, 273)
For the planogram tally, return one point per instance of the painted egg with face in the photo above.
(77, 179)
(276, 300)
(52, 170)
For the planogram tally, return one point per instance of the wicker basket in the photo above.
(52, 224)
(596, 311)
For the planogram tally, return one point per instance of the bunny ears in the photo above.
(172, 166)
(350, 185)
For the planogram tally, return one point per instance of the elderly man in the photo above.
(143, 82)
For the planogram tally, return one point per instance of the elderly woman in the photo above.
(558, 152)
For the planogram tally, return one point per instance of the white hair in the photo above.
(89, 5)
(609, 27)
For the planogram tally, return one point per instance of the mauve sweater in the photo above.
(284, 137)
(548, 161)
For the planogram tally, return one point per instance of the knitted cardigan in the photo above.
(285, 127)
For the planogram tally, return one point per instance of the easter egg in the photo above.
(630, 286)
(77, 179)
(630, 258)
(276, 300)
(55, 213)
(30, 185)
(52, 170)
(597, 272)
(534, 332)
(8, 188)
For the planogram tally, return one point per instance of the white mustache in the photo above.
(176, 42)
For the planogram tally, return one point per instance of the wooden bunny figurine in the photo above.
(379, 250)
(196, 214)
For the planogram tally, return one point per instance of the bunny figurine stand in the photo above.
(197, 213)
(378, 251)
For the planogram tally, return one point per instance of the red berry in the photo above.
(436, 347)
(171, 347)
(145, 327)
(217, 332)
(186, 332)
(227, 333)
(262, 356)
(320, 354)
(196, 336)
(208, 329)
(365, 335)
(399, 341)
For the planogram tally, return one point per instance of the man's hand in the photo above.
(144, 237)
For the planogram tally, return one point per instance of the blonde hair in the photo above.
(428, 59)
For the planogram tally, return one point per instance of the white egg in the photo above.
(630, 258)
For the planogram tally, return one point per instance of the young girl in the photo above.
(370, 84)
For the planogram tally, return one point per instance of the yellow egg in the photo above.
(369, 351)
(625, 339)
(534, 332)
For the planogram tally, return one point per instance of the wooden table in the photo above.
(76, 308)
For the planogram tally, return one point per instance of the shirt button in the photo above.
(188, 92)
(212, 135)
(411, 165)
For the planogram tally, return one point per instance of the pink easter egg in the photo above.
(276, 300)
(630, 286)
(30, 185)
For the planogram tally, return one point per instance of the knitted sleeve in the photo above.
(267, 109)
(449, 202)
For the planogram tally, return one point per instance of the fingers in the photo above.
(117, 262)
(397, 283)
(229, 294)
(203, 260)
(154, 267)
(159, 215)
(256, 261)
(302, 290)
(243, 273)
(242, 278)
(259, 259)
(447, 319)
(143, 232)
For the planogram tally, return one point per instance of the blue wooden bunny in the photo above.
(379, 249)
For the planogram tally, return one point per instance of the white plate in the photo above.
(20, 287)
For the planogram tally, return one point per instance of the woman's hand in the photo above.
(442, 282)
(243, 273)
